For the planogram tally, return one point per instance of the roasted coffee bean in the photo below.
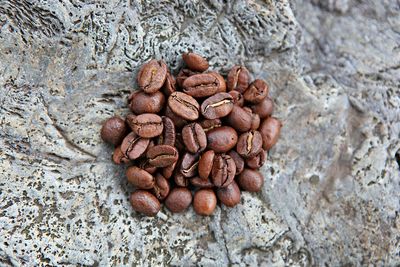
(194, 138)
(257, 161)
(179, 142)
(189, 164)
(230, 195)
(249, 144)
(264, 109)
(201, 183)
(140, 178)
(204, 202)
(140, 102)
(250, 180)
(257, 92)
(255, 119)
(210, 124)
(130, 118)
(221, 139)
(161, 187)
(195, 62)
(168, 171)
(114, 130)
(239, 162)
(204, 84)
(178, 200)
(133, 146)
(145, 165)
(206, 164)
(184, 105)
(181, 180)
(147, 125)
(162, 155)
(179, 122)
(223, 171)
(183, 75)
(270, 130)
(240, 119)
(168, 134)
(152, 75)
(119, 157)
(144, 202)
(169, 85)
(238, 79)
(237, 98)
(217, 106)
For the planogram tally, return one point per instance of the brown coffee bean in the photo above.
(237, 98)
(238, 79)
(194, 138)
(134, 146)
(223, 171)
(257, 161)
(255, 120)
(145, 165)
(240, 119)
(205, 164)
(210, 124)
(270, 130)
(230, 195)
(140, 102)
(179, 142)
(179, 122)
(181, 180)
(114, 130)
(204, 84)
(184, 105)
(201, 183)
(119, 157)
(144, 202)
(140, 178)
(161, 187)
(147, 125)
(204, 202)
(239, 162)
(169, 85)
(249, 144)
(195, 62)
(168, 134)
(178, 200)
(217, 106)
(168, 171)
(130, 118)
(250, 180)
(221, 139)
(189, 164)
(264, 109)
(152, 75)
(257, 92)
(162, 155)
(183, 75)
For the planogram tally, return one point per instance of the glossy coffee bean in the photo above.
(114, 130)
(119, 157)
(204, 202)
(239, 162)
(250, 180)
(140, 102)
(201, 183)
(161, 187)
(184, 105)
(134, 146)
(179, 122)
(152, 75)
(223, 171)
(183, 75)
(249, 144)
(145, 165)
(257, 161)
(204, 84)
(194, 138)
(257, 92)
(144, 202)
(217, 106)
(221, 139)
(147, 125)
(264, 109)
(178, 200)
(169, 85)
(230, 195)
(270, 130)
(162, 155)
(210, 124)
(181, 180)
(140, 178)
(237, 98)
(189, 164)
(240, 119)
(238, 79)
(205, 164)
(168, 171)
(195, 62)
(168, 134)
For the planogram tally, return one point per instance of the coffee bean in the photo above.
(237, 98)
(239, 162)
(264, 109)
(179, 122)
(194, 137)
(201, 183)
(270, 130)
(250, 180)
(140, 178)
(179, 142)
(204, 84)
(134, 146)
(221, 139)
(210, 124)
(240, 119)
(205, 164)
(145, 165)
(144, 202)
(140, 102)
(257, 92)
(238, 79)
(204, 202)
(255, 119)
(147, 125)
(195, 62)
(130, 118)
(249, 144)
(230, 195)
(257, 161)
(184, 106)
(168, 171)
(169, 85)
(161, 187)
(178, 200)
(114, 130)
(168, 134)
(217, 106)
(189, 164)
(152, 75)
(223, 170)
(162, 155)
(183, 75)
(181, 180)
(119, 157)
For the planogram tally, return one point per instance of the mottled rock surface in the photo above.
(332, 187)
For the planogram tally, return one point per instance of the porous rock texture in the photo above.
(331, 193)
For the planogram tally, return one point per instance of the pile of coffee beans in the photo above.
(195, 138)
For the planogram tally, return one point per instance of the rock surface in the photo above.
(332, 187)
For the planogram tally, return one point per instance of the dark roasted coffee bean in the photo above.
(221, 139)
(189, 164)
(168, 135)
(119, 157)
(217, 106)
(169, 85)
(195, 62)
(140, 102)
(162, 155)
(147, 125)
(205, 164)
(210, 124)
(204, 84)
(230, 195)
(183, 75)
(204, 202)
(140, 178)
(161, 187)
(152, 75)
(255, 119)
(239, 162)
(114, 130)
(238, 79)
(240, 119)
(257, 92)
(264, 109)
(257, 161)
(237, 98)
(184, 106)
(133, 146)
(179, 122)
(145, 165)
(250, 180)
(178, 200)
(201, 183)
(223, 171)
(194, 138)
(144, 202)
(168, 171)
(249, 144)
(270, 130)
(181, 180)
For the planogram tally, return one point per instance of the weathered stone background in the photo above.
(331, 196)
